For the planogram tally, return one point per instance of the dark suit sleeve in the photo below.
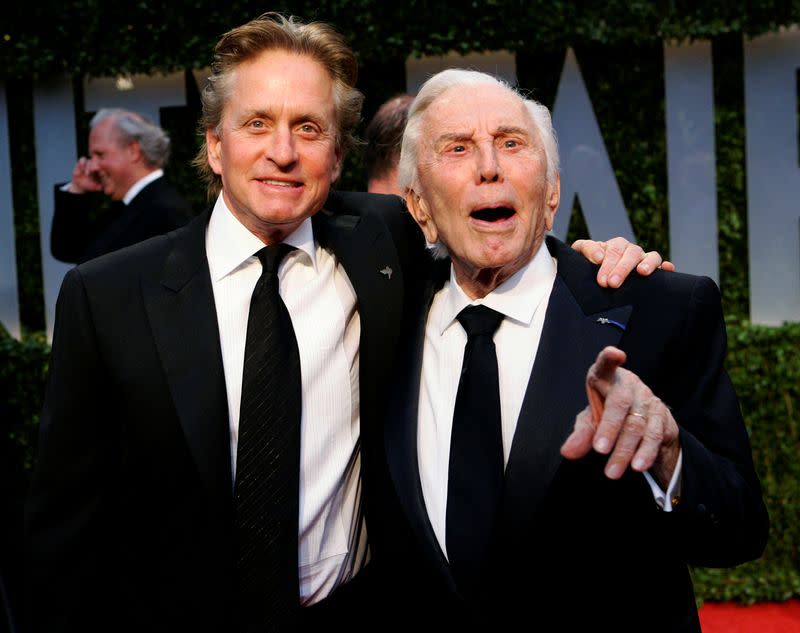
(721, 519)
(72, 495)
(74, 223)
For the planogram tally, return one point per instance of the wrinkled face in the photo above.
(482, 181)
(276, 151)
(111, 162)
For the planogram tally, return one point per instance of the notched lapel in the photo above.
(184, 321)
(400, 436)
(571, 340)
(364, 247)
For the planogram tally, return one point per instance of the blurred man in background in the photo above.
(127, 155)
(384, 135)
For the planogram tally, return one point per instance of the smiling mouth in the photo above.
(280, 183)
(494, 214)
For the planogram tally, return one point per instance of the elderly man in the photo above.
(515, 509)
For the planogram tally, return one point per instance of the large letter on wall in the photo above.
(9, 298)
(56, 151)
(499, 63)
(585, 167)
(691, 162)
(773, 176)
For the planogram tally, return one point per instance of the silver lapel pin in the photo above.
(606, 321)
(386, 270)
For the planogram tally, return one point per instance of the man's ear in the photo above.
(418, 209)
(337, 167)
(134, 151)
(214, 150)
(552, 199)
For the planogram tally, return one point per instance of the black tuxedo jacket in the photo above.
(576, 551)
(129, 519)
(81, 232)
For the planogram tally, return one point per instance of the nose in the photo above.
(488, 164)
(281, 148)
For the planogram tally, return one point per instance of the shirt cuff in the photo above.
(667, 501)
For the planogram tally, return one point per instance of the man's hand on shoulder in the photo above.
(618, 257)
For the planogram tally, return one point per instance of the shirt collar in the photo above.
(141, 184)
(229, 244)
(517, 298)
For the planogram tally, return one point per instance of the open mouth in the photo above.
(494, 214)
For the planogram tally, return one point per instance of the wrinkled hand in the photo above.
(617, 258)
(84, 178)
(625, 420)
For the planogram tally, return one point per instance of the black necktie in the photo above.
(268, 459)
(475, 478)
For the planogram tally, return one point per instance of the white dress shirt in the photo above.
(322, 305)
(523, 300)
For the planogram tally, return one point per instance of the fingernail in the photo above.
(638, 464)
(603, 280)
(598, 256)
(615, 280)
(602, 445)
(645, 268)
(614, 471)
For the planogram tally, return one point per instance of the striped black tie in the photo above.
(268, 459)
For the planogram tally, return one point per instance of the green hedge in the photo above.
(764, 364)
(105, 38)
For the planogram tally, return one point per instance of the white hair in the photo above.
(440, 83)
(135, 127)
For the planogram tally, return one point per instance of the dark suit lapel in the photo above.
(576, 328)
(402, 423)
(124, 216)
(184, 321)
(365, 249)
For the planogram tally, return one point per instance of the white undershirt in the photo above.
(523, 300)
(322, 305)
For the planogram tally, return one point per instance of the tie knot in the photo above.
(477, 320)
(271, 256)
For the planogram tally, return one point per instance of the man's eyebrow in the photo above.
(314, 117)
(507, 130)
(251, 113)
(447, 137)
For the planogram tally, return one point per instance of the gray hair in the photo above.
(434, 88)
(134, 127)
